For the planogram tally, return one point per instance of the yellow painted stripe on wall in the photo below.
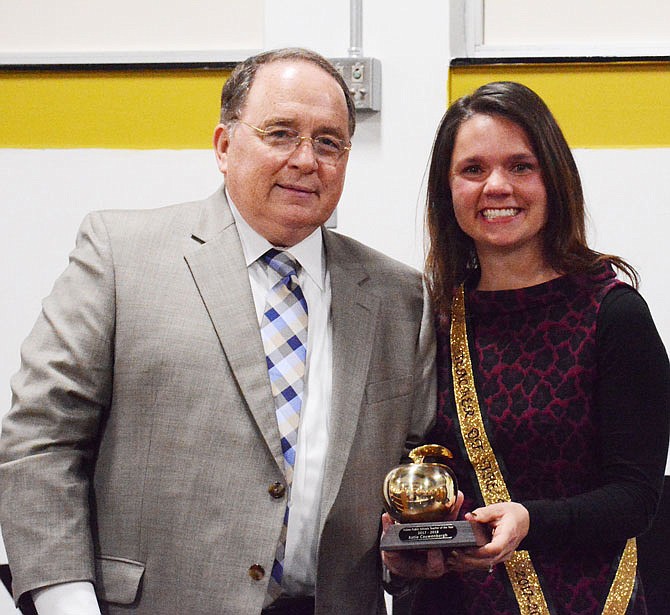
(598, 105)
(152, 109)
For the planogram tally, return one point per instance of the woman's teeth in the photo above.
(491, 214)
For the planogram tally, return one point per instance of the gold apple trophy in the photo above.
(420, 497)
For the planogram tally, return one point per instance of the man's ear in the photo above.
(221, 141)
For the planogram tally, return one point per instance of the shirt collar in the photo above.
(309, 252)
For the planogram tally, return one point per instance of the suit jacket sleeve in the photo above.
(425, 390)
(49, 436)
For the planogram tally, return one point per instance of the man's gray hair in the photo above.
(236, 89)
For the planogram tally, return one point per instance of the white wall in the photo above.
(127, 30)
(628, 202)
(531, 22)
(44, 194)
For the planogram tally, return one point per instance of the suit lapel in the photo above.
(354, 317)
(220, 273)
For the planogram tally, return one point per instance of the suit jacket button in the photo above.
(277, 490)
(256, 572)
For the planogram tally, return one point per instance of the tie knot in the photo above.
(282, 262)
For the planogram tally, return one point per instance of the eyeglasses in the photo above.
(284, 140)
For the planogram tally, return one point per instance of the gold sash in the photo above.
(520, 569)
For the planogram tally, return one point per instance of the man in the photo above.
(146, 462)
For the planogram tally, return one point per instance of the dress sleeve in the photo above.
(632, 402)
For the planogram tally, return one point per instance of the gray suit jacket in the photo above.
(142, 439)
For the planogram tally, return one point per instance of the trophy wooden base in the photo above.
(434, 535)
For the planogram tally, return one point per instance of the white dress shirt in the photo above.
(303, 526)
(302, 539)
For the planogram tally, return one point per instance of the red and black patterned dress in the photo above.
(573, 384)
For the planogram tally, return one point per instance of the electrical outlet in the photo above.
(363, 76)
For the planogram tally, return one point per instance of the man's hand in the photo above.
(418, 563)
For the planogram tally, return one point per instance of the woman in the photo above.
(560, 432)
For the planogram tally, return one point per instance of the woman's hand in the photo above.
(509, 523)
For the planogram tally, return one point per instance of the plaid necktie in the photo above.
(284, 333)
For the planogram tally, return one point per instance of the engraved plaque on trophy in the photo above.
(420, 497)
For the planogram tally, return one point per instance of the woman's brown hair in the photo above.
(451, 253)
